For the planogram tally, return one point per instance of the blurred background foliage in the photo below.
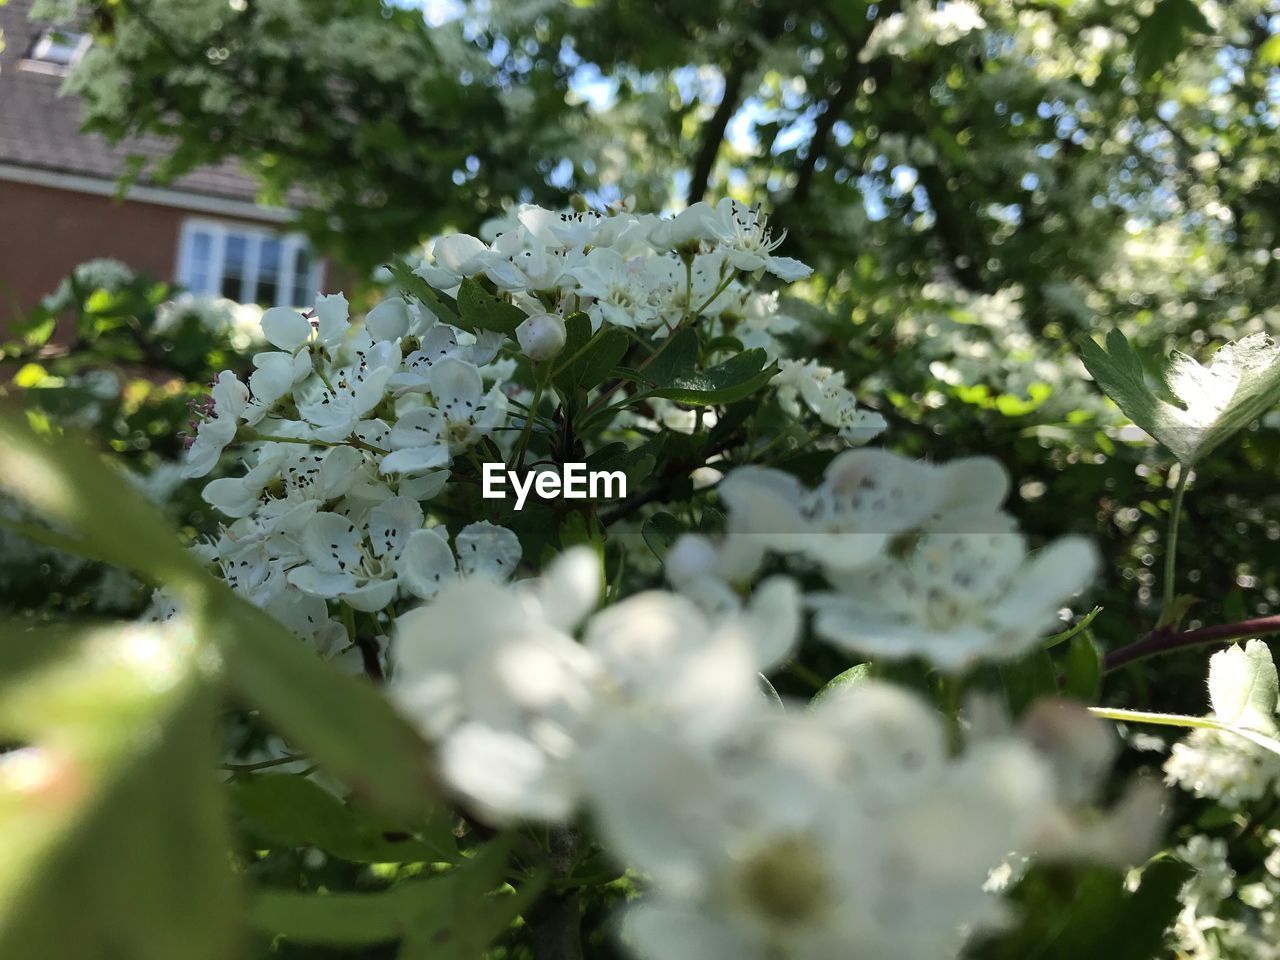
(977, 188)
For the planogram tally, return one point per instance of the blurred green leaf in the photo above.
(849, 678)
(290, 810)
(1069, 914)
(1163, 34)
(660, 531)
(1083, 666)
(112, 824)
(450, 917)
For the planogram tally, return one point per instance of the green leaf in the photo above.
(1243, 686)
(1070, 914)
(736, 378)
(1164, 33)
(661, 531)
(63, 478)
(343, 722)
(586, 362)
(1269, 51)
(481, 310)
(1083, 665)
(1027, 679)
(679, 358)
(841, 681)
(1240, 384)
(112, 825)
(289, 810)
(451, 917)
(414, 287)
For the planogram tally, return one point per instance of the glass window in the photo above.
(59, 47)
(302, 292)
(267, 282)
(198, 262)
(235, 253)
(246, 265)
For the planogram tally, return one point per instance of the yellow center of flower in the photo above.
(786, 881)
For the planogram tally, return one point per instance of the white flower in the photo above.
(226, 406)
(492, 675)
(389, 320)
(621, 291)
(541, 336)
(824, 393)
(954, 598)
(358, 566)
(469, 412)
(844, 829)
(692, 227)
(351, 393)
(748, 242)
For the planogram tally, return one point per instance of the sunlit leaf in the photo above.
(1240, 384)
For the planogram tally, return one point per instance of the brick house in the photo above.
(58, 203)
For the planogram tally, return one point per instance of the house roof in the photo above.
(40, 130)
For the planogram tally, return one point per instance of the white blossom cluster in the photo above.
(1228, 765)
(766, 832)
(347, 427)
(921, 559)
(1223, 915)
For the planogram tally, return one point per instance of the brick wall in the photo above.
(45, 232)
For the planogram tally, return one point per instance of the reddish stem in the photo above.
(1163, 640)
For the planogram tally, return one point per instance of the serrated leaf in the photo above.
(736, 378)
(1240, 384)
(112, 825)
(414, 287)
(1164, 33)
(481, 310)
(1243, 686)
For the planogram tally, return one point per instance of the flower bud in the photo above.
(541, 336)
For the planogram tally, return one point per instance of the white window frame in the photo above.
(218, 231)
(38, 59)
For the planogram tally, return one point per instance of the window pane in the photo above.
(196, 269)
(233, 262)
(302, 292)
(268, 280)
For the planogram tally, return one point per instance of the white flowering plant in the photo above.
(790, 695)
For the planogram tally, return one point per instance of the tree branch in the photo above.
(555, 920)
(713, 133)
(1164, 640)
(845, 90)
